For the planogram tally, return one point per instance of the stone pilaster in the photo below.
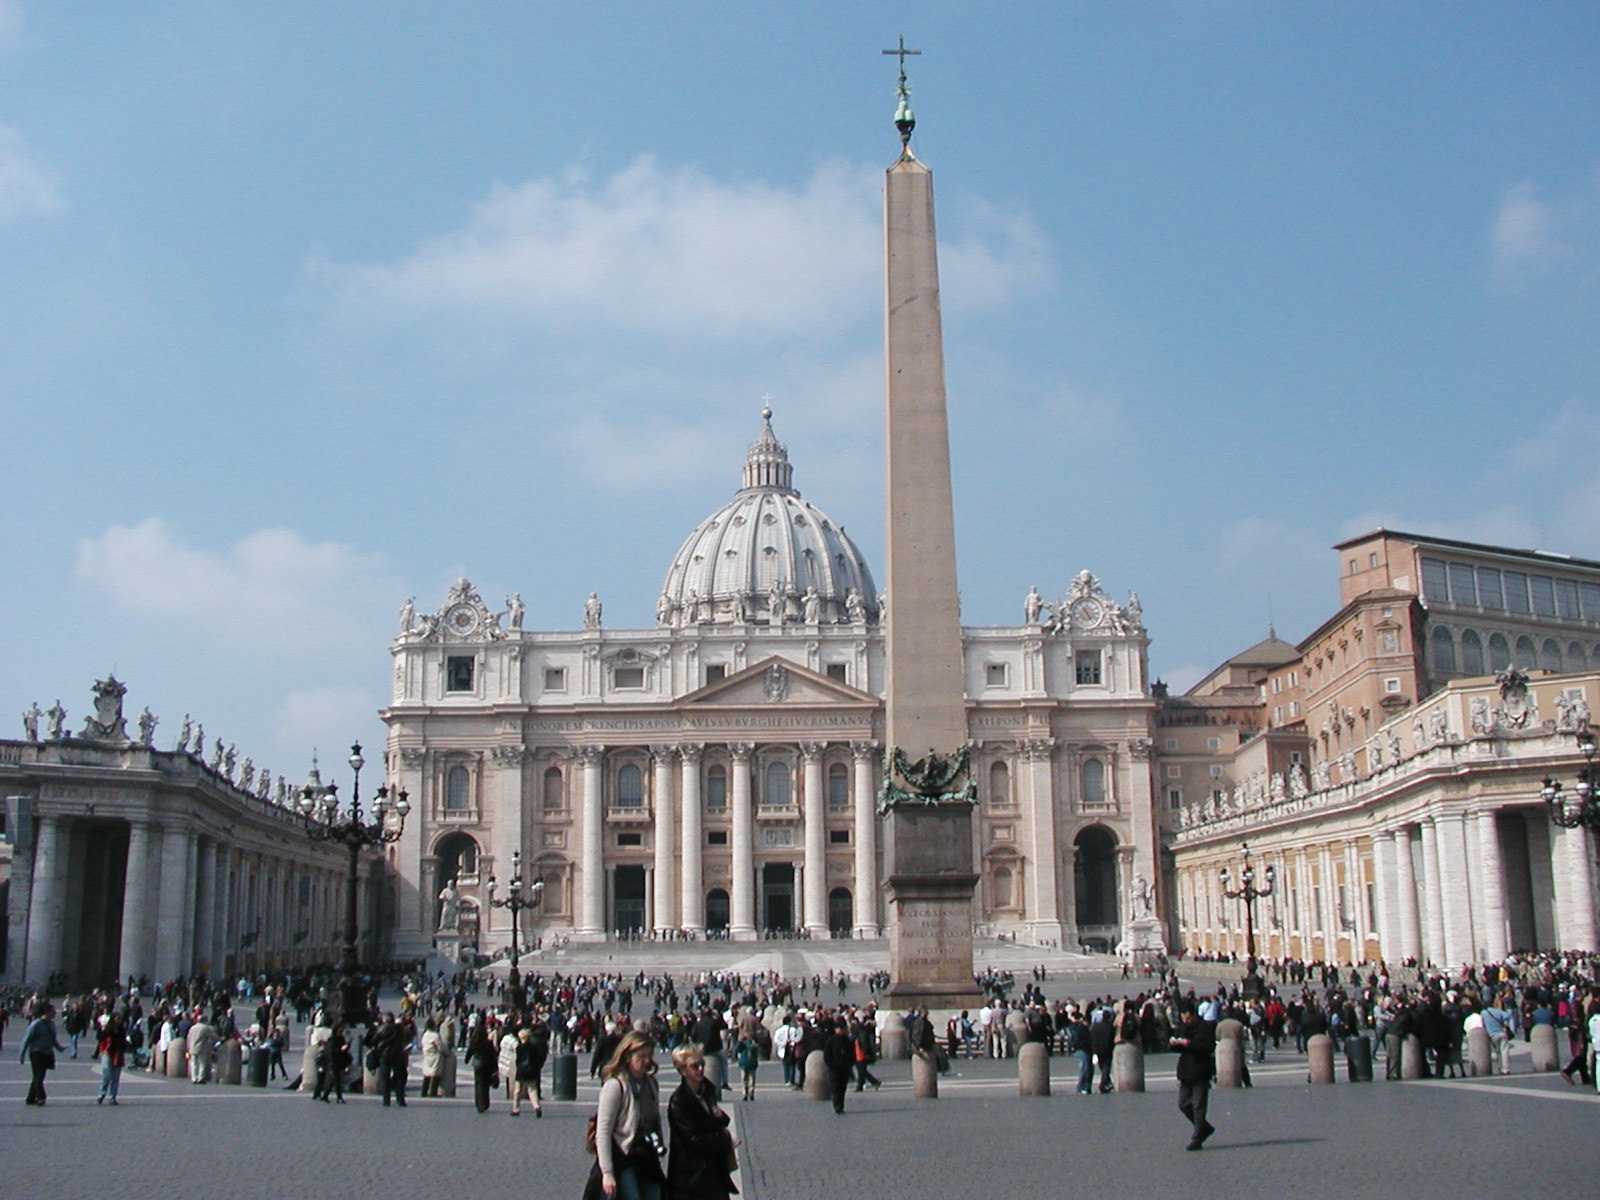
(1044, 884)
(1410, 923)
(742, 924)
(665, 883)
(172, 906)
(1433, 930)
(862, 756)
(139, 899)
(814, 892)
(692, 914)
(1388, 895)
(45, 910)
(1454, 890)
(1571, 860)
(592, 908)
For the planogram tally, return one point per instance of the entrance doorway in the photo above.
(627, 899)
(777, 897)
(841, 912)
(717, 911)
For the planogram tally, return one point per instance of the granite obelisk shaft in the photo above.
(928, 846)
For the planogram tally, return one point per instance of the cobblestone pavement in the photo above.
(979, 1140)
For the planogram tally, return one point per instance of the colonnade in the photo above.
(187, 901)
(1449, 887)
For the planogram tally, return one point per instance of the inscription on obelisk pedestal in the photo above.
(928, 794)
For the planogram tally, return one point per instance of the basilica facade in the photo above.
(718, 773)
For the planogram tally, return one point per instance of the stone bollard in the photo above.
(177, 1059)
(1545, 1055)
(230, 1062)
(1127, 1067)
(1358, 1059)
(447, 1077)
(1033, 1069)
(924, 1077)
(1478, 1062)
(308, 1068)
(1319, 1058)
(894, 1043)
(1411, 1058)
(1230, 1054)
(818, 1078)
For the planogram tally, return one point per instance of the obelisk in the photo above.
(928, 794)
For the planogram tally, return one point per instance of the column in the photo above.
(665, 889)
(138, 905)
(1433, 917)
(1305, 908)
(1410, 919)
(592, 905)
(1356, 889)
(650, 897)
(1383, 878)
(205, 917)
(191, 864)
(1570, 857)
(1456, 900)
(1331, 918)
(171, 911)
(1044, 889)
(814, 887)
(44, 913)
(1492, 923)
(866, 835)
(692, 914)
(742, 926)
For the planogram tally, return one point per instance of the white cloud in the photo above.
(25, 188)
(673, 251)
(1532, 235)
(270, 591)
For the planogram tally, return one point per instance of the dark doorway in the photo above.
(777, 897)
(841, 912)
(717, 909)
(628, 899)
(1095, 877)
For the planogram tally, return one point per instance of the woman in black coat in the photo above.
(484, 1060)
(701, 1147)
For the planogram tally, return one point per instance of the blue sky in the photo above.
(308, 308)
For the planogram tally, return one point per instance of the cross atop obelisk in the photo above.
(904, 119)
(928, 793)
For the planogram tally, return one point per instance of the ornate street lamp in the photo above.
(319, 806)
(516, 903)
(1249, 893)
(1584, 808)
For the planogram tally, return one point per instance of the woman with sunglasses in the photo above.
(702, 1160)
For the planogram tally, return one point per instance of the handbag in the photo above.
(47, 1059)
(589, 1133)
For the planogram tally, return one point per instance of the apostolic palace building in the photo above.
(718, 772)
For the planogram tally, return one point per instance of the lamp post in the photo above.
(1249, 893)
(518, 901)
(319, 807)
(1584, 809)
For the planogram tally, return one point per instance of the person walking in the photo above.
(748, 1055)
(112, 1051)
(1196, 1043)
(628, 1142)
(1500, 1023)
(331, 1062)
(38, 1051)
(839, 1054)
(865, 1035)
(529, 1065)
(483, 1058)
(699, 1165)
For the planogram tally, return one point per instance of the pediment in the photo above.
(776, 680)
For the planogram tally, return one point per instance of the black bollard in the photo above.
(257, 1074)
(1358, 1058)
(564, 1077)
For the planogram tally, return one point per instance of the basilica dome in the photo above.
(767, 557)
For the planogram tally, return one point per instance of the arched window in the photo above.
(458, 857)
(630, 786)
(775, 794)
(999, 783)
(1525, 656)
(1444, 650)
(1499, 652)
(1550, 655)
(555, 794)
(716, 786)
(838, 786)
(1472, 652)
(457, 790)
(1577, 657)
(1092, 776)
(1001, 888)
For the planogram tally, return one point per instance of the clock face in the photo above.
(462, 618)
(1087, 612)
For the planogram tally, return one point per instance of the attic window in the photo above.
(716, 672)
(838, 672)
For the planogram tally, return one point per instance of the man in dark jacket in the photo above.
(839, 1052)
(1102, 1042)
(1196, 1044)
(706, 1032)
